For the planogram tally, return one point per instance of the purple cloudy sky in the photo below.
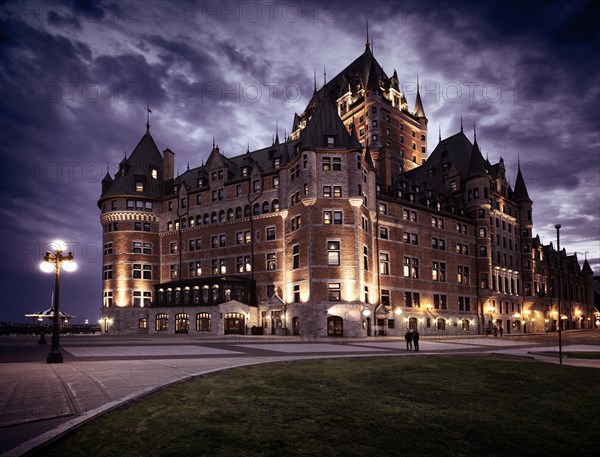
(75, 78)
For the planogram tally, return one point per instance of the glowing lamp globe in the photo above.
(46, 267)
(58, 245)
(70, 265)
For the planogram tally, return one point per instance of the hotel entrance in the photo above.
(234, 324)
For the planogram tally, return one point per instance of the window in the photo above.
(108, 249)
(441, 324)
(463, 275)
(203, 322)
(438, 271)
(243, 264)
(275, 182)
(173, 247)
(141, 299)
(139, 186)
(409, 215)
(107, 299)
(196, 244)
(270, 233)
(296, 256)
(382, 208)
(462, 248)
(195, 269)
(411, 267)
(365, 224)
(384, 263)
(412, 299)
(173, 271)
(337, 191)
(439, 244)
(440, 301)
(296, 222)
(334, 291)
(142, 323)
(482, 251)
(296, 293)
(142, 271)
(365, 258)
(295, 172)
(333, 253)
(271, 261)
(161, 322)
(437, 222)
(326, 191)
(383, 232)
(464, 304)
(411, 238)
(326, 161)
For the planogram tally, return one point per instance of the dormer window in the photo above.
(175, 188)
(276, 163)
(330, 141)
(154, 173)
(245, 171)
(139, 186)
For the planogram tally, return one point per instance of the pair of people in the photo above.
(412, 339)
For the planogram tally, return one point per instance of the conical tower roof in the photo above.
(520, 194)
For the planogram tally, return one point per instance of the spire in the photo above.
(587, 270)
(476, 164)
(520, 193)
(367, 44)
(324, 76)
(474, 134)
(440, 133)
(148, 112)
(419, 111)
(461, 124)
(315, 81)
(248, 148)
(188, 166)
(213, 142)
(276, 133)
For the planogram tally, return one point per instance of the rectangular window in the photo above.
(270, 233)
(173, 247)
(326, 191)
(141, 271)
(108, 249)
(107, 300)
(327, 217)
(326, 161)
(384, 263)
(195, 269)
(296, 256)
(412, 299)
(141, 299)
(409, 215)
(296, 293)
(271, 261)
(333, 253)
(383, 232)
(334, 291)
(463, 275)
(440, 301)
(438, 271)
(365, 258)
(108, 272)
(411, 267)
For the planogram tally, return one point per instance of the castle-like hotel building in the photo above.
(345, 228)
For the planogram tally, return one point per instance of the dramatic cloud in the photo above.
(75, 78)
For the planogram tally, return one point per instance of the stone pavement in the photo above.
(39, 402)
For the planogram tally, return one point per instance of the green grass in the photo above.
(387, 406)
(583, 355)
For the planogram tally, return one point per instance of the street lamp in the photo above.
(490, 309)
(54, 262)
(558, 320)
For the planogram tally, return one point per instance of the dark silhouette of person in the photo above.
(415, 338)
(501, 331)
(409, 338)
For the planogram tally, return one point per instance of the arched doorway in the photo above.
(296, 325)
(182, 323)
(234, 323)
(369, 326)
(412, 323)
(335, 326)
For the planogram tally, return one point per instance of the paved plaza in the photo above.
(39, 402)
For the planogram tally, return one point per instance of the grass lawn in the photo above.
(583, 355)
(384, 406)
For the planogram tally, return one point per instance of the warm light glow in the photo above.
(46, 267)
(578, 313)
(490, 309)
(366, 313)
(428, 306)
(58, 245)
(398, 311)
(70, 265)
(516, 315)
(527, 312)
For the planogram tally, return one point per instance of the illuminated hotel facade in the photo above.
(345, 228)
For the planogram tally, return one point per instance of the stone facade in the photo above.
(345, 228)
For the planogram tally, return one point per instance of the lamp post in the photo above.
(54, 262)
(490, 310)
(558, 320)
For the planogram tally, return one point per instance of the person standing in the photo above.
(409, 338)
(415, 338)
(501, 331)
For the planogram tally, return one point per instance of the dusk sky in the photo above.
(75, 78)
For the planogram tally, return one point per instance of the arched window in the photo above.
(182, 323)
(213, 217)
(265, 207)
(441, 324)
(247, 211)
(198, 220)
(203, 322)
(230, 214)
(466, 325)
(275, 206)
(161, 322)
(195, 296)
(206, 219)
(238, 212)
(191, 221)
(256, 209)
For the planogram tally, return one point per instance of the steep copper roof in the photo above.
(520, 193)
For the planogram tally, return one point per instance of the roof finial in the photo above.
(461, 125)
(518, 162)
(248, 148)
(367, 44)
(188, 166)
(440, 135)
(148, 118)
(213, 141)
(474, 133)
(315, 79)
(276, 132)
(324, 76)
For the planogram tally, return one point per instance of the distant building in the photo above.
(344, 228)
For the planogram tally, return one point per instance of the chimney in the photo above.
(168, 164)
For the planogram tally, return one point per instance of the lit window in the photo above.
(333, 253)
(334, 291)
